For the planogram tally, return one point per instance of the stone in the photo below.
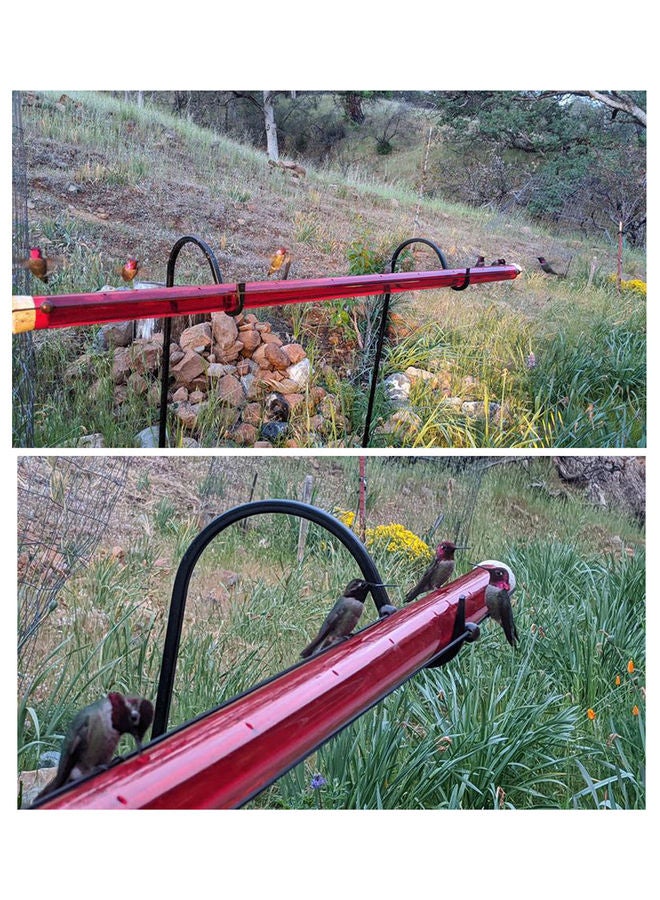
(217, 370)
(145, 355)
(277, 407)
(197, 337)
(276, 357)
(180, 395)
(230, 353)
(121, 364)
(244, 434)
(252, 414)
(250, 338)
(137, 383)
(295, 352)
(186, 413)
(397, 388)
(224, 328)
(230, 390)
(148, 437)
(197, 396)
(189, 367)
(262, 445)
(116, 334)
(269, 338)
(259, 356)
(300, 372)
(91, 440)
(402, 421)
(274, 431)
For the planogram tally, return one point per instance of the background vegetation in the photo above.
(560, 723)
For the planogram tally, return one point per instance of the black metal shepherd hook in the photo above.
(194, 551)
(167, 322)
(383, 324)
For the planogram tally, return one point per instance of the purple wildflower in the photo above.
(318, 781)
(531, 361)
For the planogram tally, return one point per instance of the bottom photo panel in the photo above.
(331, 632)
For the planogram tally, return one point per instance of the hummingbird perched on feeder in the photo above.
(438, 572)
(94, 734)
(480, 263)
(37, 264)
(280, 260)
(130, 269)
(498, 597)
(342, 618)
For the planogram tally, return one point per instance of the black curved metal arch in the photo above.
(167, 322)
(383, 326)
(199, 544)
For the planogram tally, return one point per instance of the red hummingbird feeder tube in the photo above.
(226, 756)
(67, 310)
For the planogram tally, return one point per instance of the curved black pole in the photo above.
(167, 322)
(194, 551)
(383, 326)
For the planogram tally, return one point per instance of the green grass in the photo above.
(495, 728)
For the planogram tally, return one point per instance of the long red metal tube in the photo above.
(66, 310)
(228, 756)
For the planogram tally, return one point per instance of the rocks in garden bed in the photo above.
(250, 378)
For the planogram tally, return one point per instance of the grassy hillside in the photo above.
(494, 728)
(107, 180)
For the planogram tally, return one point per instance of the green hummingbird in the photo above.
(94, 734)
(342, 618)
(498, 600)
(440, 571)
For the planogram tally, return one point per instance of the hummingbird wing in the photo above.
(326, 628)
(508, 624)
(421, 584)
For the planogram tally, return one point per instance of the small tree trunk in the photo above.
(271, 127)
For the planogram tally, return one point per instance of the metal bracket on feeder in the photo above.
(464, 632)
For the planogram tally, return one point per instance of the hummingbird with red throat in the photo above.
(130, 269)
(440, 570)
(498, 600)
(37, 264)
(94, 734)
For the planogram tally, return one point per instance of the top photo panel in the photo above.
(344, 269)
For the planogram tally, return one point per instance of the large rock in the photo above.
(197, 337)
(225, 330)
(190, 367)
(230, 389)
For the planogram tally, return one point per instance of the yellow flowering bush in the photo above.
(635, 285)
(395, 538)
(345, 516)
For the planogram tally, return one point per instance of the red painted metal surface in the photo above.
(225, 758)
(65, 310)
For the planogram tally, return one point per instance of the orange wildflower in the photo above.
(617, 680)
(635, 710)
(591, 714)
(631, 666)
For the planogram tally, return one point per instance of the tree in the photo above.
(271, 127)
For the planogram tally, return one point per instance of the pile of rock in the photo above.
(254, 381)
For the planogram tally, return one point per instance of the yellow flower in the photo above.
(394, 538)
(591, 714)
(635, 710)
(631, 666)
(345, 516)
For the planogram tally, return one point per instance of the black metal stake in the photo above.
(194, 551)
(167, 323)
(383, 326)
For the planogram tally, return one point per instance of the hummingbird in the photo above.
(37, 264)
(498, 600)
(498, 262)
(94, 734)
(438, 572)
(545, 265)
(281, 259)
(481, 261)
(130, 269)
(342, 618)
